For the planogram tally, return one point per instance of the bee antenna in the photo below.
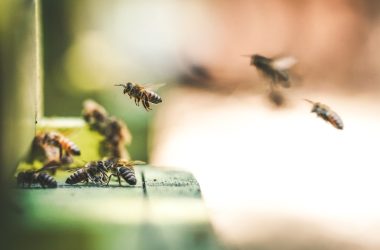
(307, 100)
(122, 85)
(246, 55)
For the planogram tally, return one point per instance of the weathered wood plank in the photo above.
(165, 217)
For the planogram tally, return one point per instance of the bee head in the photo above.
(259, 60)
(315, 108)
(108, 163)
(128, 87)
(101, 165)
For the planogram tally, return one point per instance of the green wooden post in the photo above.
(20, 79)
(20, 98)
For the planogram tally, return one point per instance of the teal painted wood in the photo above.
(165, 211)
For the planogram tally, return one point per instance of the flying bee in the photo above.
(94, 172)
(326, 114)
(124, 169)
(274, 68)
(35, 177)
(141, 93)
(276, 98)
(61, 142)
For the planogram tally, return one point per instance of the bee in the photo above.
(274, 68)
(62, 143)
(94, 172)
(35, 177)
(95, 115)
(124, 169)
(116, 136)
(326, 114)
(277, 98)
(116, 131)
(141, 93)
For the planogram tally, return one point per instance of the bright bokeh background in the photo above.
(272, 177)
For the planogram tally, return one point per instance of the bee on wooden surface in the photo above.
(124, 169)
(326, 114)
(141, 93)
(94, 172)
(61, 142)
(35, 177)
(274, 68)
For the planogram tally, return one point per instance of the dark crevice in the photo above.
(144, 184)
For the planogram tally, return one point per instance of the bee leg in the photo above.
(118, 178)
(109, 178)
(60, 152)
(137, 101)
(146, 105)
(43, 185)
(145, 102)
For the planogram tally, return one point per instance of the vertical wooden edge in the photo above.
(39, 62)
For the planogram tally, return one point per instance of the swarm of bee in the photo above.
(93, 172)
(141, 93)
(57, 151)
(115, 132)
(96, 172)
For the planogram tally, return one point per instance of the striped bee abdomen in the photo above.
(153, 97)
(69, 146)
(32, 177)
(46, 180)
(78, 176)
(128, 175)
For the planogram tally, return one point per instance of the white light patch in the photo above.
(290, 161)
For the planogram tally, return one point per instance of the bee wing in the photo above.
(45, 168)
(73, 169)
(307, 100)
(133, 163)
(138, 162)
(283, 63)
(153, 86)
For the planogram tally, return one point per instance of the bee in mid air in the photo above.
(276, 98)
(94, 172)
(141, 93)
(326, 114)
(35, 177)
(274, 68)
(124, 169)
(62, 143)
